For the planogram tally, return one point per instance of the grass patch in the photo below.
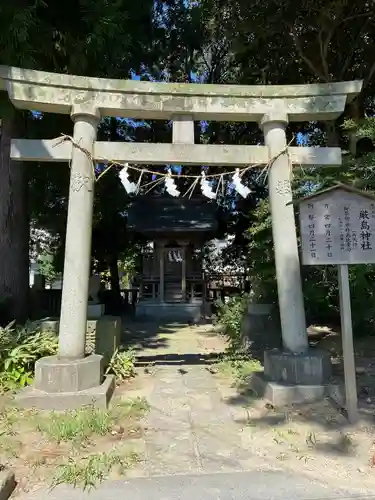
(79, 447)
(80, 425)
(240, 368)
(87, 472)
(76, 426)
(135, 408)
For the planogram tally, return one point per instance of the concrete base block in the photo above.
(55, 375)
(102, 334)
(280, 394)
(312, 368)
(99, 397)
(95, 311)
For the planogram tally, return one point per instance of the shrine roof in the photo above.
(338, 186)
(167, 214)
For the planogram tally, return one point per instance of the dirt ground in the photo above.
(314, 438)
(182, 368)
(80, 447)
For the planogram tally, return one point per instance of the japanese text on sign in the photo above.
(338, 227)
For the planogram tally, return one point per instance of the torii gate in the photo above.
(87, 100)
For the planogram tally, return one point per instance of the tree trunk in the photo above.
(357, 108)
(356, 112)
(114, 275)
(14, 228)
(332, 134)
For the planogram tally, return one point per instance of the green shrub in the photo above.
(121, 364)
(19, 349)
(230, 317)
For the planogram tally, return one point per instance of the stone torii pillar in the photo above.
(289, 285)
(72, 335)
(294, 373)
(71, 379)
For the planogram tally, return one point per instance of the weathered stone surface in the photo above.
(53, 92)
(289, 284)
(95, 311)
(257, 320)
(98, 397)
(260, 327)
(310, 368)
(88, 84)
(78, 237)
(7, 483)
(159, 154)
(94, 288)
(102, 335)
(158, 106)
(56, 375)
(280, 394)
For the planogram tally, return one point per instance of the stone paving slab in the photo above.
(190, 428)
(252, 485)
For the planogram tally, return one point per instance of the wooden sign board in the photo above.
(337, 227)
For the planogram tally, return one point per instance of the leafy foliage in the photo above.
(19, 349)
(261, 255)
(230, 316)
(121, 364)
(47, 267)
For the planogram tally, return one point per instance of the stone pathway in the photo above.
(189, 428)
(197, 427)
(199, 423)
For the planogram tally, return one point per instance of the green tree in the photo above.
(92, 37)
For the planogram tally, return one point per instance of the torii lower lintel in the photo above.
(56, 150)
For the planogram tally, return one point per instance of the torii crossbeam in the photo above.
(55, 150)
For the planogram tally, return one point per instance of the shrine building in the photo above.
(173, 285)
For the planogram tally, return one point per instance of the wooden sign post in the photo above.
(338, 228)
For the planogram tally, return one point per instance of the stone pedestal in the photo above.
(102, 334)
(293, 378)
(66, 384)
(103, 337)
(310, 368)
(39, 282)
(260, 328)
(95, 311)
